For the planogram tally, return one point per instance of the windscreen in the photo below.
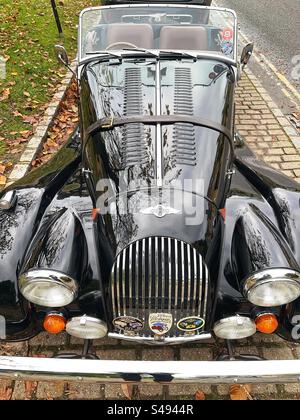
(157, 27)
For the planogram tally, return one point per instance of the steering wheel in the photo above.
(121, 44)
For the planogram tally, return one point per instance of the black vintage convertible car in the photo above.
(155, 223)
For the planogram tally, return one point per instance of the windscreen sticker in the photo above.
(227, 47)
(227, 34)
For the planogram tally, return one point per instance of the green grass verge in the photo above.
(28, 33)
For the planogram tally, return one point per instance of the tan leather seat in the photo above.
(183, 38)
(141, 35)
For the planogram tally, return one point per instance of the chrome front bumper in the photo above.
(117, 371)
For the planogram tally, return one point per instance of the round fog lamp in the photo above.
(235, 328)
(274, 287)
(48, 288)
(87, 328)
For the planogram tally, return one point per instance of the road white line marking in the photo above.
(259, 57)
(266, 64)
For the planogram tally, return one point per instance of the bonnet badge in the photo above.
(160, 211)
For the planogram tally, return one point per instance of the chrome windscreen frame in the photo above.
(210, 55)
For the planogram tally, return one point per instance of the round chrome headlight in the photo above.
(87, 328)
(48, 288)
(273, 287)
(235, 328)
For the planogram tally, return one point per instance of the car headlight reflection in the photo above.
(48, 288)
(273, 287)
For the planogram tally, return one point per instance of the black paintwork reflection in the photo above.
(288, 213)
(17, 228)
(104, 93)
(67, 241)
(59, 245)
(254, 234)
(194, 222)
(257, 244)
(52, 223)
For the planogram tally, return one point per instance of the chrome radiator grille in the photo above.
(159, 275)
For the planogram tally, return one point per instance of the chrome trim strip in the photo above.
(195, 278)
(159, 146)
(156, 273)
(135, 371)
(189, 271)
(143, 263)
(113, 282)
(176, 278)
(118, 285)
(200, 278)
(150, 273)
(170, 273)
(200, 55)
(205, 293)
(124, 279)
(130, 280)
(167, 340)
(163, 274)
(182, 276)
(137, 303)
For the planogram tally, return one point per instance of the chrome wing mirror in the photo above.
(245, 57)
(246, 54)
(62, 55)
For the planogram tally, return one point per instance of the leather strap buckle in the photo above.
(108, 125)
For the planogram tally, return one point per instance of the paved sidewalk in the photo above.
(265, 128)
(272, 137)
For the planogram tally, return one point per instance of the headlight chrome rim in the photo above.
(269, 276)
(83, 320)
(234, 320)
(50, 277)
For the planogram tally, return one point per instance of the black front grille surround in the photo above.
(159, 275)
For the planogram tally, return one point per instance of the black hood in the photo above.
(194, 160)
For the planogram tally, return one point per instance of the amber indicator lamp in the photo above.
(266, 323)
(54, 323)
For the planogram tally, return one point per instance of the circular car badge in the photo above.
(191, 323)
(160, 324)
(128, 323)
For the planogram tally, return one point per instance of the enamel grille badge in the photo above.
(160, 324)
(192, 323)
(128, 324)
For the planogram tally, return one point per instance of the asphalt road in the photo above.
(274, 26)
